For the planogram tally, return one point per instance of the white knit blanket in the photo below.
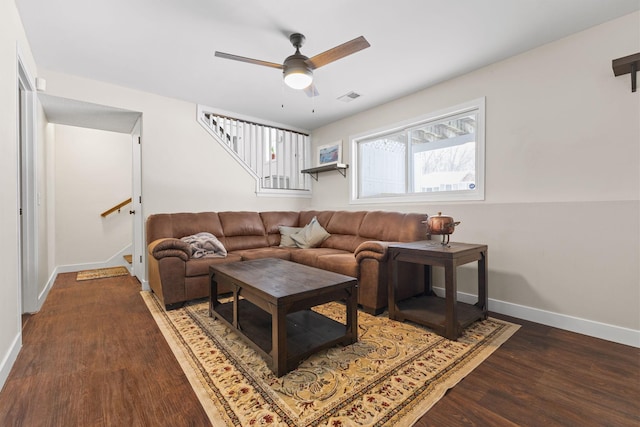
(205, 245)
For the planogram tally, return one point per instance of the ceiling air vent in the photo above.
(348, 97)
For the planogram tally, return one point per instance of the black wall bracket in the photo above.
(627, 65)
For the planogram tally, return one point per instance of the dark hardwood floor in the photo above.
(93, 356)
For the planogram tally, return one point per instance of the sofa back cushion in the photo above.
(412, 228)
(393, 226)
(275, 219)
(343, 227)
(243, 230)
(179, 225)
(306, 217)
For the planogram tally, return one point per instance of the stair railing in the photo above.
(116, 207)
(273, 155)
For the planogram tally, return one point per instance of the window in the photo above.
(438, 157)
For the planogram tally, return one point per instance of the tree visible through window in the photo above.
(439, 157)
(444, 155)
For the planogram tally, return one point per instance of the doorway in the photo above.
(99, 117)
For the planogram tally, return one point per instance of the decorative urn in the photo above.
(441, 225)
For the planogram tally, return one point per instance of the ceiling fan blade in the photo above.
(338, 52)
(311, 90)
(249, 60)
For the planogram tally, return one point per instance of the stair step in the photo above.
(128, 258)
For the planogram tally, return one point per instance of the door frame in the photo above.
(27, 190)
(138, 263)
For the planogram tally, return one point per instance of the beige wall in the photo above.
(92, 173)
(183, 168)
(562, 212)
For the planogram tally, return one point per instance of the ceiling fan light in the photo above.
(298, 77)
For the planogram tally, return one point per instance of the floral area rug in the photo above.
(102, 273)
(390, 377)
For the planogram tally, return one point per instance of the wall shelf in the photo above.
(340, 167)
(627, 65)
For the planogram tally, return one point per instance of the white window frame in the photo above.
(478, 193)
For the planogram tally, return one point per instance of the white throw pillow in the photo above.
(285, 236)
(311, 235)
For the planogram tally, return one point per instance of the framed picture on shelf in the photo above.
(330, 154)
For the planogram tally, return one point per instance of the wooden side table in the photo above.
(446, 316)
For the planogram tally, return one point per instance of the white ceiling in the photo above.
(84, 114)
(167, 46)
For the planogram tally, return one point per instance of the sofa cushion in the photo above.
(273, 220)
(393, 226)
(243, 230)
(271, 252)
(343, 227)
(241, 223)
(343, 241)
(200, 266)
(323, 217)
(178, 225)
(311, 235)
(285, 236)
(339, 263)
(310, 256)
(345, 222)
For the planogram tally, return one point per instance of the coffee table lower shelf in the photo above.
(307, 331)
(431, 311)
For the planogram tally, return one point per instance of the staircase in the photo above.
(274, 156)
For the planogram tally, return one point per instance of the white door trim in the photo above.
(138, 260)
(27, 191)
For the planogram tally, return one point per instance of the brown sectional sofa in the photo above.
(357, 247)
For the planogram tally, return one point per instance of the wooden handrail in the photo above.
(116, 207)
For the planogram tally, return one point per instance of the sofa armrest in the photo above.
(170, 247)
(372, 249)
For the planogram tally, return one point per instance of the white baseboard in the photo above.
(10, 358)
(43, 295)
(591, 328)
(116, 260)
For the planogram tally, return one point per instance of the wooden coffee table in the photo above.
(271, 308)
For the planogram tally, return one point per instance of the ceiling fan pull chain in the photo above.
(282, 93)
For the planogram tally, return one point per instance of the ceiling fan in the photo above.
(297, 69)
